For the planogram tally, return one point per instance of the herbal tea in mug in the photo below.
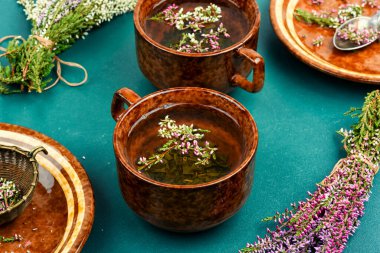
(185, 146)
(197, 27)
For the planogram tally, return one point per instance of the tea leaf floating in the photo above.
(182, 159)
(56, 25)
(324, 222)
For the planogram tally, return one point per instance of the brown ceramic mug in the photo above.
(182, 208)
(220, 70)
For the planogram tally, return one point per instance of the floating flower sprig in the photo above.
(332, 19)
(202, 38)
(325, 221)
(194, 20)
(183, 140)
(56, 25)
(10, 194)
(357, 36)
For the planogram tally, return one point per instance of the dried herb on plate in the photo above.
(330, 19)
(15, 238)
(326, 220)
(56, 25)
(183, 159)
(10, 194)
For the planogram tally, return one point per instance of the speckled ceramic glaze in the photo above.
(182, 208)
(221, 70)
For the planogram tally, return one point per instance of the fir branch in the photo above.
(312, 18)
(57, 24)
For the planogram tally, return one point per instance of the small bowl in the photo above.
(183, 208)
(21, 167)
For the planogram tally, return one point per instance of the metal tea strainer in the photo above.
(21, 167)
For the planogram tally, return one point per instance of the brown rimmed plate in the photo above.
(360, 66)
(61, 214)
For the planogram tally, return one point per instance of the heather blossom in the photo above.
(318, 41)
(182, 139)
(358, 36)
(326, 220)
(199, 39)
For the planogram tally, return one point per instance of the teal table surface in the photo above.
(298, 113)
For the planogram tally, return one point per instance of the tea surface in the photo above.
(224, 134)
(233, 19)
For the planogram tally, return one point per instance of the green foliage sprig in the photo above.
(331, 19)
(56, 25)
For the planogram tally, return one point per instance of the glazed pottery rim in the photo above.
(291, 45)
(118, 147)
(252, 31)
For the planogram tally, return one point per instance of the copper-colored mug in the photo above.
(221, 70)
(184, 208)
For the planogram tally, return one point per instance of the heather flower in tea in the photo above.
(357, 36)
(10, 194)
(185, 158)
(202, 28)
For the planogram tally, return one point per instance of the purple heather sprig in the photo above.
(317, 2)
(370, 3)
(318, 41)
(183, 140)
(331, 19)
(201, 39)
(357, 36)
(194, 20)
(325, 221)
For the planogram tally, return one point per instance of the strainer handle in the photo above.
(121, 97)
(32, 154)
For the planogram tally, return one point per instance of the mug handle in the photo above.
(121, 97)
(258, 65)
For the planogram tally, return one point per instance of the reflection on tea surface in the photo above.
(196, 144)
(197, 27)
